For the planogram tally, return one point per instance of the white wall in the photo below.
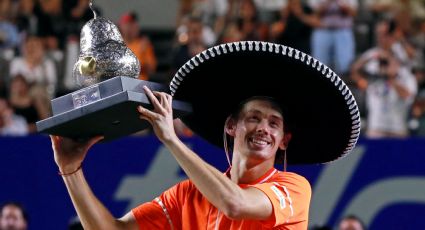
(152, 13)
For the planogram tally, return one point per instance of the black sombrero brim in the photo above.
(325, 114)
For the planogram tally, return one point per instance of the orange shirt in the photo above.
(184, 207)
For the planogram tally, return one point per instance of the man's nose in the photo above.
(263, 127)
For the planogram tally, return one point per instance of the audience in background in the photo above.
(39, 39)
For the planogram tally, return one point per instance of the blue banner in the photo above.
(382, 181)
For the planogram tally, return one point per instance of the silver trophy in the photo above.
(103, 53)
(106, 105)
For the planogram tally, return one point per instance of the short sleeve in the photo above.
(290, 197)
(164, 212)
(151, 216)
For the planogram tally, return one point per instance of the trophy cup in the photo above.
(107, 71)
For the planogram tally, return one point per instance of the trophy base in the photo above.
(108, 109)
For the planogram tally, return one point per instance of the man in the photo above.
(258, 132)
(13, 217)
(390, 86)
(252, 194)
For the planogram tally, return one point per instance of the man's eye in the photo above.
(253, 118)
(274, 124)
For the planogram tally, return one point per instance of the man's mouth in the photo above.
(259, 141)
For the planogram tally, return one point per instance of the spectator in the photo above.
(35, 67)
(404, 11)
(333, 41)
(211, 12)
(26, 105)
(13, 217)
(193, 45)
(9, 37)
(183, 53)
(140, 45)
(351, 222)
(390, 87)
(296, 25)
(10, 123)
(244, 25)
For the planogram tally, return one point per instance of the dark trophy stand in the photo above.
(108, 108)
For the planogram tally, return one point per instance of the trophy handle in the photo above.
(91, 7)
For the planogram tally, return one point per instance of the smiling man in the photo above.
(257, 132)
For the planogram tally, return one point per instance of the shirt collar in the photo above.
(260, 180)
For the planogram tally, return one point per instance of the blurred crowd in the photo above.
(376, 46)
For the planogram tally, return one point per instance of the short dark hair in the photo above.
(353, 217)
(18, 205)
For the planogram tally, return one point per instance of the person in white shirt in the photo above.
(34, 66)
(390, 87)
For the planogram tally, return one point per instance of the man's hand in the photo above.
(69, 154)
(161, 118)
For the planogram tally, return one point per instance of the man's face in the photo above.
(195, 32)
(12, 219)
(384, 38)
(259, 131)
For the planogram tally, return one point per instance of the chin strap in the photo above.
(226, 146)
(226, 150)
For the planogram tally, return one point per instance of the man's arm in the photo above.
(69, 155)
(225, 195)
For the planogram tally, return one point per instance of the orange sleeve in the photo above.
(290, 198)
(164, 211)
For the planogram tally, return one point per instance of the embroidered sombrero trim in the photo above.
(326, 72)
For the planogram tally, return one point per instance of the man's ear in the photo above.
(230, 126)
(285, 141)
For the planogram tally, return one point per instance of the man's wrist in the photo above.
(69, 170)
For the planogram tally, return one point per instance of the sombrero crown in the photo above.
(323, 110)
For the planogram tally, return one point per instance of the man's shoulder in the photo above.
(290, 178)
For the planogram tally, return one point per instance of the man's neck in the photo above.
(243, 172)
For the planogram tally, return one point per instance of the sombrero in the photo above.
(324, 112)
